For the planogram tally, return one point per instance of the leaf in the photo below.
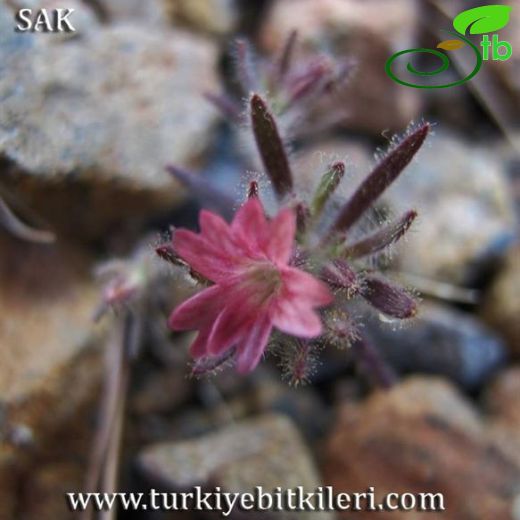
(450, 45)
(481, 20)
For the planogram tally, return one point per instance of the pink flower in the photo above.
(255, 288)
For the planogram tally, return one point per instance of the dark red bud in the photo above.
(388, 298)
(341, 277)
(270, 146)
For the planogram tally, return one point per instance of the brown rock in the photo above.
(501, 307)
(95, 119)
(51, 361)
(422, 436)
(48, 300)
(209, 16)
(43, 493)
(8, 497)
(503, 398)
(503, 403)
(368, 31)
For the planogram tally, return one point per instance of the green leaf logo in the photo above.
(481, 20)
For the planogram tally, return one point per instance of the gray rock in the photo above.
(442, 341)
(266, 451)
(461, 194)
(104, 112)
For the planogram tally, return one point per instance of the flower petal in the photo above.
(205, 257)
(296, 319)
(281, 240)
(198, 348)
(230, 326)
(217, 232)
(198, 310)
(293, 310)
(251, 349)
(251, 227)
(304, 286)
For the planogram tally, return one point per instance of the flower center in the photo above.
(265, 281)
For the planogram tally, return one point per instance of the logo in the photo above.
(479, 20)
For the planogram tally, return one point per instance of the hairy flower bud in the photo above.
(340, 276)
(341, 330)
(298, 361)
(328, 184)
(388, 298)
(270, 146)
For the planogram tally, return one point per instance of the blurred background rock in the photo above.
(88, 121)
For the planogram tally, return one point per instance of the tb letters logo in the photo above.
(480, 20)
